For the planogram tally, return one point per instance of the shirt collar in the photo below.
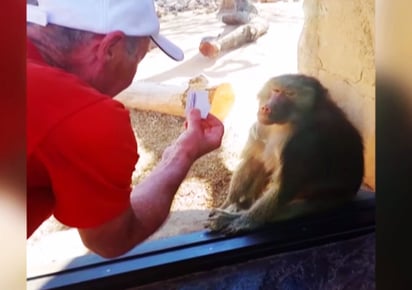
(32, 52)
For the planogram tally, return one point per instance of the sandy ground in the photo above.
(246, 68)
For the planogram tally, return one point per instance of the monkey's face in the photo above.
(275, 106)
(287, 98)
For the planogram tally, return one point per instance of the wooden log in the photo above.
(236, 12)
(171, 99)
(211, 46)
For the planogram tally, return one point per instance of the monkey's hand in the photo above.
(230, 223)
(220, 219)
(231, 208)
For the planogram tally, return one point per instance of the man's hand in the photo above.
(201, 136)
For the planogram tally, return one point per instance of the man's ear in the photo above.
(110, 45)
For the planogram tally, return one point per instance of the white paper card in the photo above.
(35, 15)
(200, 100)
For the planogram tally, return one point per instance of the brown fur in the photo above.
(303, 155)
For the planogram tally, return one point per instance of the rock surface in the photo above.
(173, 7)
(338, 46)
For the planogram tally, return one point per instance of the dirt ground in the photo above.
(206, 185)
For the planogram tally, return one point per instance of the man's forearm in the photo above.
(152, 198)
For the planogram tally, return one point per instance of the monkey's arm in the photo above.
(231, 223)
(250, 177)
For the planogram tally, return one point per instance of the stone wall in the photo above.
(337, 45)
(394, 41)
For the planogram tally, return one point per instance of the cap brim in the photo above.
(168, 47)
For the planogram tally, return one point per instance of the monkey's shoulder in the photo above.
(270, 134)
(333, 140)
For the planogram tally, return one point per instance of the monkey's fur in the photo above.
(303, 155)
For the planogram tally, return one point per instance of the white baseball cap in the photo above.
(132, 17)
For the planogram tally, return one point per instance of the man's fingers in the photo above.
(193, 118)
(194, 114)
(213, 120)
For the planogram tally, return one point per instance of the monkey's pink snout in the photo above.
(265, 110)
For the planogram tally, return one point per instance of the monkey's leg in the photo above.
(261, 212)
(298, 208)
(272, 207)
(247, 184)
(268, 210)
(277, 203)
(249, 179)
(256, 216)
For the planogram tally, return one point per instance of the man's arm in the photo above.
(151, 199)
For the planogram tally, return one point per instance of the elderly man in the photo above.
(81, 149)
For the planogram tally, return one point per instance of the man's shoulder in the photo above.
(45, 82)
(58, 101)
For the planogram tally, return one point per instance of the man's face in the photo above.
(121, 63)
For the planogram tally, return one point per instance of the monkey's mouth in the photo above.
(264, 120)
(269, 119)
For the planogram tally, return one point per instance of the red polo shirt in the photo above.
(81, 150)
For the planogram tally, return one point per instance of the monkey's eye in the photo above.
(289, 94)
(276, 91)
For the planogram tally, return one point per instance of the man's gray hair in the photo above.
(65, 39)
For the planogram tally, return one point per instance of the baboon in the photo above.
(302, 155)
